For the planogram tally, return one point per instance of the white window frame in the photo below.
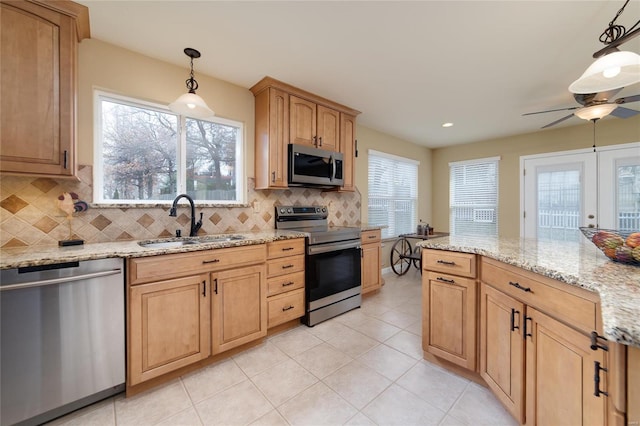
(98, 171)
(481, 212)
(397, 158)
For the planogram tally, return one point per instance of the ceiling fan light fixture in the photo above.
(191, 104)
(595, 112)
(613, 71)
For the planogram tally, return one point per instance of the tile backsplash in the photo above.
(29, 214)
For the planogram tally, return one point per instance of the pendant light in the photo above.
(191, 104)
(613, 69)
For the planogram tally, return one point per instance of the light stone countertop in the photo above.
(43, 255)
(579, 264)
(367, 227)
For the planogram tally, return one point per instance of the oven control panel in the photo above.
(320, 212)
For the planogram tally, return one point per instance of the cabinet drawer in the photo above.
(369, 237)
(463, 264)
(285, 283)
(285, 307)
(284, 248)
(575, 306)
(146, 269)
(287, 265)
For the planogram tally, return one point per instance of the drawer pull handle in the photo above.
(211, 261)
(596, 379)
(514, 327)
(287, 248)
(372, 237)
(519, 287)
(287, 266)
(444, 280)
(288, 284)
(595, 345)
(446, 262)
(286, 308)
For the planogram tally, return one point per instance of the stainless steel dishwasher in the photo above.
(62, 338)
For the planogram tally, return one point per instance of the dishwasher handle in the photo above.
(60, 280)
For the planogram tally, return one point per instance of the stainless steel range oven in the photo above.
(332, 265)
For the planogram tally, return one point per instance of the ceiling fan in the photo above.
(595, 106)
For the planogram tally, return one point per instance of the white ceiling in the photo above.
(409, 66)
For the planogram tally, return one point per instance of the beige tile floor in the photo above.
(362, 368)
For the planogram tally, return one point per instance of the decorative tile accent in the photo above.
(29, 215)
(146, 220)
(13, 204)
(44, 184)
(101, 222)
(46, 224)
(14, 242)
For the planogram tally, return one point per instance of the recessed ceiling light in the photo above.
(447, 124)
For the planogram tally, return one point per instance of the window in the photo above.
(473, 197)
(144, 154)
(393, 193)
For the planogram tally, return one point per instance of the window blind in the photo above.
(473, 197)
(393, 193)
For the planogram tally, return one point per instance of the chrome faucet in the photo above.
(194, 226)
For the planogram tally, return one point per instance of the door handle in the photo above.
(514, 327)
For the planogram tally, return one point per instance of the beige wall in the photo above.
(114, 69)
(609, 131)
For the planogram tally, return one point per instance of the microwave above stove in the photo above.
(313, 167)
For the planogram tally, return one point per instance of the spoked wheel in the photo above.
(400, 263)
(417, 253)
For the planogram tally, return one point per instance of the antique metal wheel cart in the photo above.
(403, 254)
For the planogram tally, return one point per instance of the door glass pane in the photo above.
(559, 203)
(628, 196)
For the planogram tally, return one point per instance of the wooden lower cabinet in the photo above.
(239, 310)
(560, 371)
(169, 326)
(449, 325)
(371, 264)
(502, 348)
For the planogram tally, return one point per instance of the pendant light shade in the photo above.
(612, 71)
(191, 104)
(595, 112)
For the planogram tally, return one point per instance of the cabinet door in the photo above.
(450, 314)
(502, 348)
(560, 375)
(302, 121)
(239, 307)
(328, 129)
(348, 150)
(38, 90)
(371, 272)
(168, 326)
(272, 138)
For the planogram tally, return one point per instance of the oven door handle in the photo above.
(326, 248)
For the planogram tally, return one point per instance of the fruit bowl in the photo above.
(621, 246)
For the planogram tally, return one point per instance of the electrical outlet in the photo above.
(256, 206)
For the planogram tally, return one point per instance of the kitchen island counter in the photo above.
(578, 264)
(43, 255)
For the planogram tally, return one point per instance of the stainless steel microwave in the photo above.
(313, 167)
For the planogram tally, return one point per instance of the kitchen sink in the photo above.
(167, 244)
(199, 240)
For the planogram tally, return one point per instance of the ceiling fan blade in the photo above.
(558, 121)
(622, 112)
(551, 110)
(628, 99)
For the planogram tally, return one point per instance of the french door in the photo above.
(561, 192)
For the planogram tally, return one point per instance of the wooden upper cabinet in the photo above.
(302, 121)
(38, 84)
(288, 115)
(272, 138)
(328, 129)
(348, 149)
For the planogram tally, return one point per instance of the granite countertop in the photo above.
(578, 264)
(367, 227)
(42, 255)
